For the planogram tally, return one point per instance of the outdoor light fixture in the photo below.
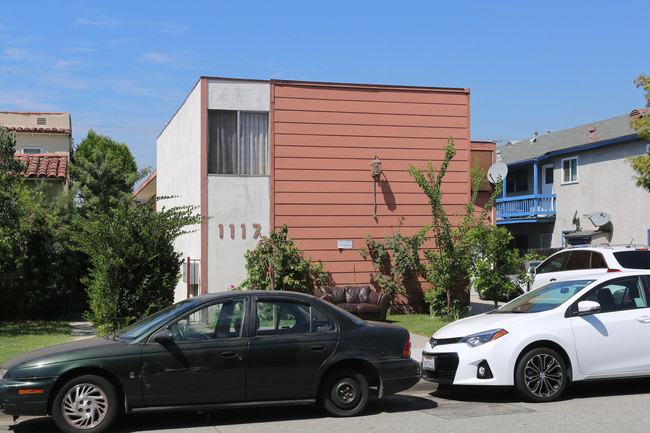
(375, 170)
(375, 167)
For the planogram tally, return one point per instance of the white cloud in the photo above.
(159, 58)
(26, 102)
(105, 22)
(18, 54)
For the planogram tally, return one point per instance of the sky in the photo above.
(123, 68)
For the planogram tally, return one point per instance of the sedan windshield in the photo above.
(139, 329)
(544, 298)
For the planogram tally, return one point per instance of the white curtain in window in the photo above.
(253, 143)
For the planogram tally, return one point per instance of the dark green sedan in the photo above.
(214, 351)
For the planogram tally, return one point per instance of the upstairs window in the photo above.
(238, 142)
(517, 181)
(31, 150)
(570, 170)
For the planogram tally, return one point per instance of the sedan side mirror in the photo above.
(588, 307)
(163, 337)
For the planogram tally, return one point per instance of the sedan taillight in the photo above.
(407, 347)
(613, 270)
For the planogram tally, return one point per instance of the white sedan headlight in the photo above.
(483, 337)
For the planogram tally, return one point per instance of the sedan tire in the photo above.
(345, 393)
(541, 375)
(85, 404)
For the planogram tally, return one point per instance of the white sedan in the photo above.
(590, 327)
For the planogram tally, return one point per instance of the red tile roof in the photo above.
(51, 166)
(38, 129)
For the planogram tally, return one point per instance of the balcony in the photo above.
(526, 208)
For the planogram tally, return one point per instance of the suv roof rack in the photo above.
(609, 247)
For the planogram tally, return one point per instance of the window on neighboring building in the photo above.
(517, 181)
(570, 170)
(31, 150)
(238, 142)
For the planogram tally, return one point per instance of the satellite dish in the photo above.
(600, 218)
(496, 171)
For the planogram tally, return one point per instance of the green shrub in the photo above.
(277, 264)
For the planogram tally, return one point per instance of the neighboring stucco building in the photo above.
(43, 144)
(575, 186)
(254, 155)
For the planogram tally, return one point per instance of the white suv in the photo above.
(590, 259)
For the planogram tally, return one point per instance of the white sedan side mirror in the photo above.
(588, 307)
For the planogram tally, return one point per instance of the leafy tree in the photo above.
(134, 268)
(103, 172)
(642, 124)
(32, 250)
(277, 264)
(11, 217)
(395, 259)
(493, 261)
(641, 164)
(447, 265)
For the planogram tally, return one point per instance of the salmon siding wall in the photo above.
(323, 138)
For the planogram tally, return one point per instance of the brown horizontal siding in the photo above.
(361, 186)
(323, 140)
(337, 106)
(302, 175)
(375, 94)
(294, 117)
(375, 141)
(366, 130)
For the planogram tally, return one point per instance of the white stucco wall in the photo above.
(239, 95)
(179, 171)
(605, 183)
(236, 200)
(49, 143)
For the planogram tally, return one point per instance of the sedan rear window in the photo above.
(635, 259)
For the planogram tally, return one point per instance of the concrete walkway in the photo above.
(81, 330)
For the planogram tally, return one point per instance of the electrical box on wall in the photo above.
(194, 272)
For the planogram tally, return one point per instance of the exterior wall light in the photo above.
(375, 170)
(375, 167)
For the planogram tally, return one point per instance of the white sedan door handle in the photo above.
(643, 319)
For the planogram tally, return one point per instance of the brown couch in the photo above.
(358, 300)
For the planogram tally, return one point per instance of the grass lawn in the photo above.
(20, 337)
(421, 324)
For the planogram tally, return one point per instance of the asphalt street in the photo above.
(594, 407)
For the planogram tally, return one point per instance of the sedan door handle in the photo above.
(643, 319)
(229, 354)
(317, 348)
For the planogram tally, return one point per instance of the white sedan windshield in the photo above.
(544, 298)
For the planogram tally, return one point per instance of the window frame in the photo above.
(238, 136)
(517, 180)
(618, 307)
(215, 337)
(573, 163)
(278, 331)
(27, 150)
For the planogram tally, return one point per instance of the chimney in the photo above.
(592, 133)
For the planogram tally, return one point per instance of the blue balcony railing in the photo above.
(528, 206)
